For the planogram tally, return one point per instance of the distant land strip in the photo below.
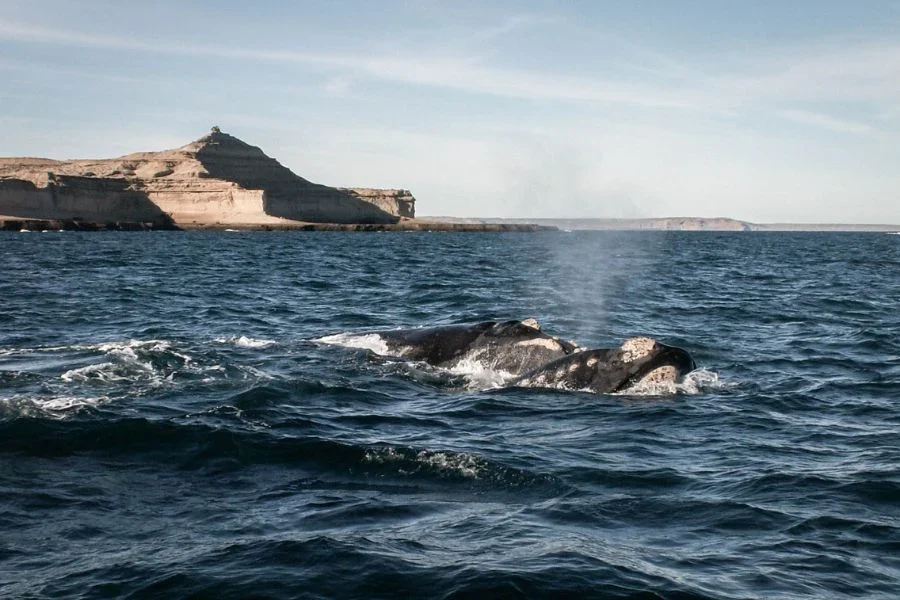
(403, 225)
(671, 224)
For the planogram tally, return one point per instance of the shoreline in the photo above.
(677, 224)
(19, 225)
(449, 225)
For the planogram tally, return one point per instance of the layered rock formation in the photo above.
(217, 180)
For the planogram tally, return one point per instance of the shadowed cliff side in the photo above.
(289, 196)
(217, 180)
(90, 199)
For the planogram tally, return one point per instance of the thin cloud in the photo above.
(461, 74)
(825, 122)
(774, 81)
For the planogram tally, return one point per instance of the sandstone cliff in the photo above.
(216, 180)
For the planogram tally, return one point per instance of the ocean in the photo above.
(173, 425)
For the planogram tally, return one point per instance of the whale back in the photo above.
(511, 346)
(434, 345)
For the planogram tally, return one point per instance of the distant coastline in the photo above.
(671, 224)
(215, 181)
(221, 182)
(450, 224)
(26, 225)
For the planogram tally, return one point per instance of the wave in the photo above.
(60, 380)
(353, 565)
(443, 464)
(201, 446)
(151, 361)
(53, 407)
(50, 349)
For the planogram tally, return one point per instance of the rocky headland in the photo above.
(217, 181)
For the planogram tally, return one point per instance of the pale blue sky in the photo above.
(766, 111)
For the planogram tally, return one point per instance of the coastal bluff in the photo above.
(216, 181)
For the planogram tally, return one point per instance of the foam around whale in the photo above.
(519, 353)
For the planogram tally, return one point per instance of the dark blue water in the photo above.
(170, 428)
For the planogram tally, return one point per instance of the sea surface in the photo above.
(172, 425)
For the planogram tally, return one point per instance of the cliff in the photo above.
(217, 180)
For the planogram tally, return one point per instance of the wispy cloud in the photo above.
(781, 82)
(842, 69)
(824, 121)
(337, 86)
(459, 73)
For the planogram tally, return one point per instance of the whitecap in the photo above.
(19, 351)
(56, 407)
(131, 350)
(132, 360)
(105, 371)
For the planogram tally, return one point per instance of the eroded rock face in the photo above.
(217, 179)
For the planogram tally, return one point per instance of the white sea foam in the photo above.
(695, 382)
(446, 463)
(245, 342)
(56, 407)
(367, 341)
(462, 464)
(105, 371)
(132, 360)
(38, 349)
(130, 348)
(478, 375)
(482, 375)
(702, 380)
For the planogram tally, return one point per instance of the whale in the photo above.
(526, 356)
(639, 362)
(514, 347)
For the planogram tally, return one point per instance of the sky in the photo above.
(761, 111)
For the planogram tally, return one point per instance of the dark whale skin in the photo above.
(512, 346)
(605, 371)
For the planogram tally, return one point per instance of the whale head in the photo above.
(639, 361)
(660, 364)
